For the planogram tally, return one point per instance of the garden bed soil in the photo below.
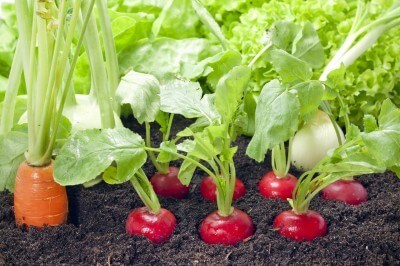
(368, 234)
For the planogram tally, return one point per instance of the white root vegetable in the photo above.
(313, 141)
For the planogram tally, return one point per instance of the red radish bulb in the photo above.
(272, 186)
(158, 228)
(169, 185)
(208, 189)
(227, 230)
(349, 191)
(300, 227)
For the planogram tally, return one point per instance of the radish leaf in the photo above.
(276, 119)
(185, 98)
(89, 153)
(141, 92)
(229, 92)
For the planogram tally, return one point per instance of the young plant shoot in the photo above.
(142, 93)
(212, 135)
(45, 40)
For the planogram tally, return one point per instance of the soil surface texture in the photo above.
(368, 234)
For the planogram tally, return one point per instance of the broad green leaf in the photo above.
(205, 149)
(283, 34)
(89, 153)
(186, 171)
(227, 154)
(229, 60)
(300, 41)
(187, 145)
(307, 47)
(177, 20)
(205, 146)
(12, 148)
(185, 98)
(162, 120)
(310, 94)
(110, 175)
(165, 56)
(249, 107)
(187, 132)
(384, 143)
(166, 155)
(289, 67)
(142, 93)
(276, 119)
(230, 90)
(129, 28)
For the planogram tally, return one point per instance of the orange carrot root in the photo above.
(38, 199)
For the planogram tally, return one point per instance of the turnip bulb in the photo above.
(313, 141)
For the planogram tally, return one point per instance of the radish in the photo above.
(168, 185)
(208, 189)
(349, 191)
(209, 147)
(157, 227)
(278, 183)
(227, 230)
(304, 226)
(272, 186)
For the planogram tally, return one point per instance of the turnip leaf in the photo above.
(310, 94)
(289, 67)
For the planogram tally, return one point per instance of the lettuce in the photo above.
(371, 79)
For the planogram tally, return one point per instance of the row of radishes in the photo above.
(293, 120)
(239, 226)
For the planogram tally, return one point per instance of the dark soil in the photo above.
(368, 234)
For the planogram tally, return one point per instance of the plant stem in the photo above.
(109, 47)
(259, 54)
(49, 82)
(68, 82)
(167, 134)
(145, 191)
(280, 162)
(199, 165)
(99, 73)
(10, 99)
(153, 159)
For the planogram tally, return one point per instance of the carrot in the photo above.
(38, 200)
